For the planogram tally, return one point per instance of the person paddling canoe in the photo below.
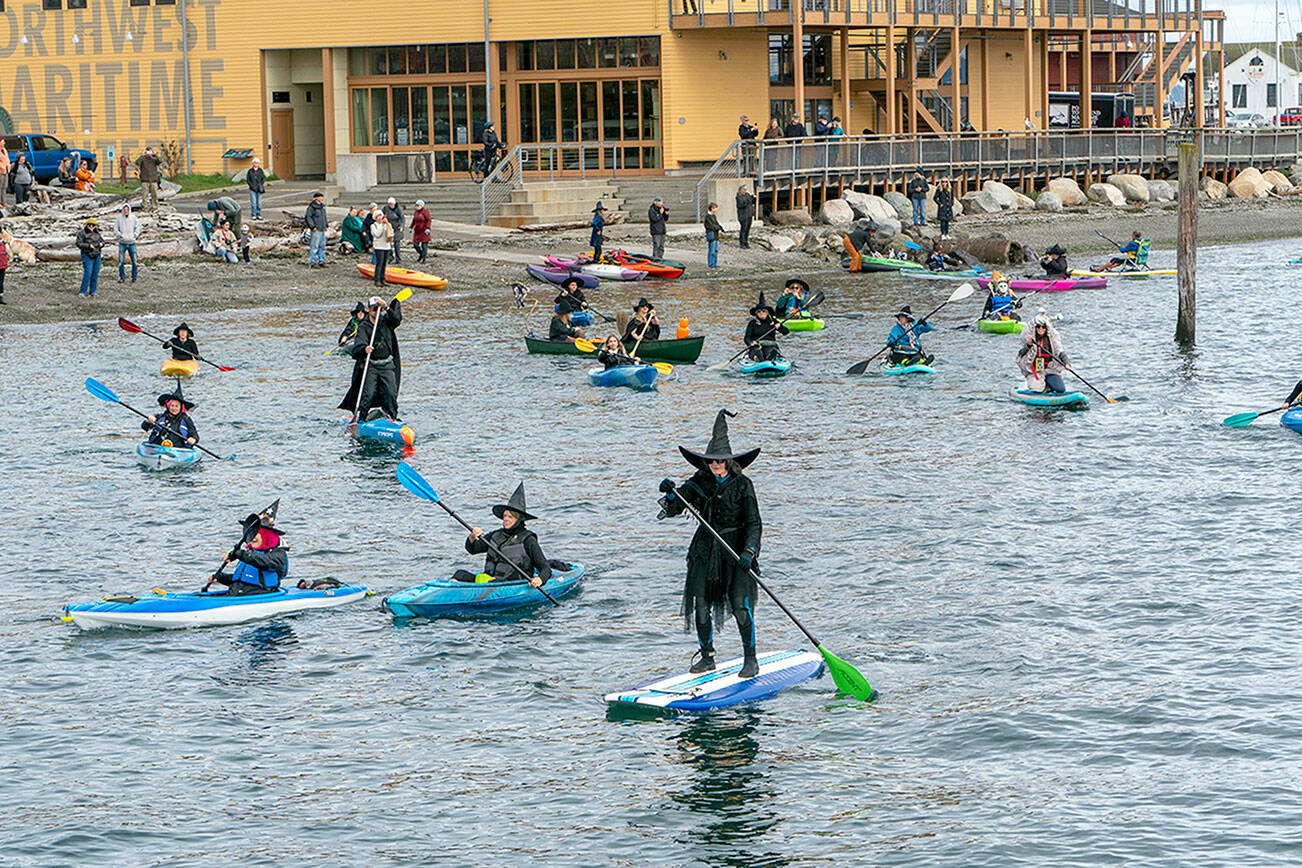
(1000, 301)
(1054, 262)
(261, 562)
(176, 416)
(561, 328)
(1131, 255)
(1041, 358)
(612, 354)
(905, 339)
(384, 373)
(792, 300)
(762, 330)
(182, 344)
(725, 497)
(644, 324)
(518, 545)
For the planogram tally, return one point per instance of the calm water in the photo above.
(1084, 625)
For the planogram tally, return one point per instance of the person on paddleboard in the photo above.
(725, 498)
(1000, 301)
(1130, 255)
(1041, 358)
(561, 329)
(517, 544)
(905, 340)
(762, 330)
(261, 562)
(792, 300)
(376, 338)
(182, 344)
(176, 416)
(1054, 262)
(612, 354)
(644, 324)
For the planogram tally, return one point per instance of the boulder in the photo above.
(980, 202)
(1005, 195)
(1067, 190)
(1133, 187)
(1249, 184)
(1023, 202)
(791, 217)
(1048, 201)
(868, 206)
(811, 242)
(1105, 194)
(1161, 191)
(1294, 172)
(239, 176)
(889, 227)
(781, 243)
(903, 207)
(1213, 188)
(1276, 179)
(836, 211)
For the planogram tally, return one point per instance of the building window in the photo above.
(51, 4)
(1239, 96)
(817, 56)
(1272, 96)
(139, 2)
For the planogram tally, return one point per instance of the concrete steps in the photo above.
(556, 202)
(677, 191)
(457, 201)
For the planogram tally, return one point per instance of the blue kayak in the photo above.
(1051, 399)
(633, 376)
(581, 318)
(166, 611)
(771, 368)
(157, 457)
(723, 687)
(888, 368)
(383, 430)
(1292, 419)
(451, 597)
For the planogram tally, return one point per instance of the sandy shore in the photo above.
(47, 292)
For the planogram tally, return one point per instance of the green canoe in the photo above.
(1000, 326)
(683, 351)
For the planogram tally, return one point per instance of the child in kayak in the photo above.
(1054, 262)
(761, 333)
(176, 417)
(182, 346)
(261, 562)
(572, 293)
(905, 340)
(644, 324)
(612, 354)
(1000, 301)
(1132, 255)
(792, 300)
(511, 546)
(1041, 358)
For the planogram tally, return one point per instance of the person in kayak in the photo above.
(1130, 256)
(261, 562)
(1041, 359)
(376, 338)
(762, 331)
(725, 497)
(612, 354)
(174, 418)
(937, 261)
(518, 546)
(561, 329)
(182, 344)
(572, 289)
(792, 300)
(1054, 262)
(905, 340)
(1000, 301)
(1292, 396)
(859, 242)
(644, 324)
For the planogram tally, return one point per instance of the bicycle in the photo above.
(481, 165)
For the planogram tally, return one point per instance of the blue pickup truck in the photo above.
(45, 152)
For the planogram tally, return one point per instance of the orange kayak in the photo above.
(404, 276)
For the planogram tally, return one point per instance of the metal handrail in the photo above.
(508, 175)
(730, 157)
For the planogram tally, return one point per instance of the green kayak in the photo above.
(1000, 326)
(683, 351)
(805, 323)
(884, 263)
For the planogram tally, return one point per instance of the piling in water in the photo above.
(1187, 242)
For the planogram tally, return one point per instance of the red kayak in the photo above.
(652, 267)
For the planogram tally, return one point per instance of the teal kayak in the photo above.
(919, 368)
(443, 597)
(1074, 400)
(773, 368)
(157, 457)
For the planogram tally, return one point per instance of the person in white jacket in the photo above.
(127, 228)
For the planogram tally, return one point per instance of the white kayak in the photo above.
(167, 611)
(612, 272)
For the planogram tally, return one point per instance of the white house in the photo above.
(1250, 81)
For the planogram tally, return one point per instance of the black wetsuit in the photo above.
(181, 423)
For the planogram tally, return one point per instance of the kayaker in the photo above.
(905, 339)
(612, 354)
(1000, 301)
(859, 242)
(182, 344)
(725, 497)
(346, 337)
(644, 325)
(572, 289)
(384, 373)
(518, 545)
(1054, 262)
(762, 331)
(937, 261)
(1292, 396)
(1132, 255)
(792, 300)
(355, 319)
(176, 417)
(561, 329)
(261, 562)
(1041, 358)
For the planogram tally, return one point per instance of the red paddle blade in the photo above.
(225, 368)
(128, 326)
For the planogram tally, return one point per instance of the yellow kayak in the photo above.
(179, 368)
(1117, 274)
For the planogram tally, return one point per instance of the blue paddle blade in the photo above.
(415, 483)
(101, 391)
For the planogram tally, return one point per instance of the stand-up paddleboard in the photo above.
(722, 687)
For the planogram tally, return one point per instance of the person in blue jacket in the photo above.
(1000, 302)
(261, 562)
(1131, 255)
(905, 339)
(598, 225)
(174, 418)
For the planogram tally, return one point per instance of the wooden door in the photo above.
(282, 143)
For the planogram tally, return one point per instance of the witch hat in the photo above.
(719, 449)
(186, 405)
(176, 332)
(515, 504)
(762, 305)
(265, 519)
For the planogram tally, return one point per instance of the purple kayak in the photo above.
(1030, 284)
(560, 275)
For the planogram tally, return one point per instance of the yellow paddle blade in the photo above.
(404, 295)
(585, 345)
(663, 367)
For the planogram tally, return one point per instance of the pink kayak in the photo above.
(596, 269)
(1030, 284)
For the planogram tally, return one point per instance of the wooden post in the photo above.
(956, 95)
(1200, 113)
(1220, 72)
(1086, 79)
(328, 106)
(1027, 65)
(798, 58)
(845, 79)
(1159, 80)
(911, 74)
(892, 101)
(985, 82)
(1187, 241)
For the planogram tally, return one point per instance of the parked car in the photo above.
(1244, 120)
(45, 152)
(1291, 117)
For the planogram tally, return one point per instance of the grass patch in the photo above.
(188, 183)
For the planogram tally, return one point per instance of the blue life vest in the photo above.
(251, 575)
(1001, 305)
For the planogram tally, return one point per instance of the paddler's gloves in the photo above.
(667, 487)
(746, 561)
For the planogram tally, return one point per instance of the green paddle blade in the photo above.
(848, 679)
(1238, 420)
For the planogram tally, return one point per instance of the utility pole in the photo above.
(1187, 239)
(1278, 95)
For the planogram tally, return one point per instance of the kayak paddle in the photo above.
(245, 537)
(848, 679)
(1107, 239)
(842, 315)
(401, 296)
(1239, 420)
(813, 300)
(1016, 303)
(588, 346)
(416, 484)
(128, 326)
(963, 291)
(1117, 400)
(104, 393)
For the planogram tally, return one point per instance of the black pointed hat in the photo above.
(641, 303)
(176, 332)
(186, 404)
(515, 504)
(1056, 249)
(719, 449)
(762, 305)
(906, 312)
(265, 519)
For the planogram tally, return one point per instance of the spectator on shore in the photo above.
(774, 130)
(317, 222)
(245, 243)
(747, 130)
(382, 245)
(745, 215)
(837, 129)
(1123, 121)
(350, 240)
(6, 166)
(91, 244)
(224, 242)
(944, 199)
(127, 228)
(713, 230)
(598, 236)
(393, 211)
(66, 176)
(420, 223)
(794, 129)
(368, 220)
(4, 266)
(147, 168)
(21, 178)
(256, 178)
(230, 209)
(658, 216)
(917, 190)
(85, 176)
(822, 129)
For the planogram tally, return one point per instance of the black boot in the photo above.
(706, 663)
(749, 665)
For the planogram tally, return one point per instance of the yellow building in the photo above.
(653, 84)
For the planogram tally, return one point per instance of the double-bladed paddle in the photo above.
(848, 679)
(1017, 302)
(812, 301)
(588, 346)
(963, 291)
(1238, 420)
(104, 393)
(128, 326)
(416, 484)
